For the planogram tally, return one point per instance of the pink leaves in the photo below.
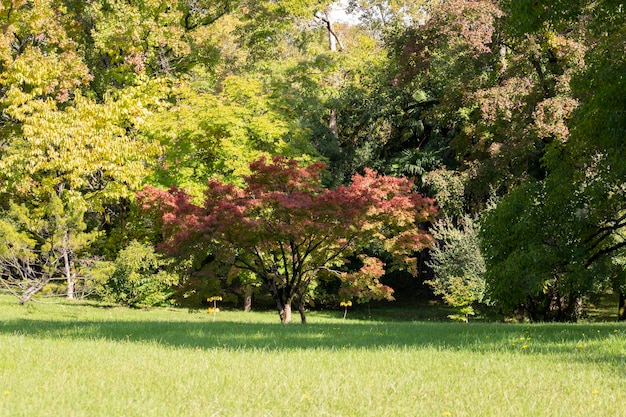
(551, 117)
(503, 101)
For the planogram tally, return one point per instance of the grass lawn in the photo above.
(85, 360)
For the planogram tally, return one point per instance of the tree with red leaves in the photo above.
(285, 228)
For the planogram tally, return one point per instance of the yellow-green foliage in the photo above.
(209, 134)
(139, 278)
(458, 265)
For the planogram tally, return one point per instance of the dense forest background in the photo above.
(511, 114)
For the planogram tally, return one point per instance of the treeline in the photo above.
(510, 114)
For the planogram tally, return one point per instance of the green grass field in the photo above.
(85, 360)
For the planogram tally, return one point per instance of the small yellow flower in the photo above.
(595, 392)
(447, 413)
(525, 347)
(580, 346)
(345, 304)
(7, 393)
(306, 396)
(513, 344)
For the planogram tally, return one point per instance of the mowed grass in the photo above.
(81, 360)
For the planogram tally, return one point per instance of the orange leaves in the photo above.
(392, 199)
(365, 284)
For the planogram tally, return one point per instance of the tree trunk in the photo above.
(621, 314)
(332, 123)
(69, 275)
(334, 45)
(25, 298)
(283, 306)
(302, 311)
(247, 299)
(285, 318)
(71, 287)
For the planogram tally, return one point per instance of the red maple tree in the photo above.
(285, 228)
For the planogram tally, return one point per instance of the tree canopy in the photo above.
(499, 110)
(286, 229)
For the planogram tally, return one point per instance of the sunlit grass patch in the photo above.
(91, 361)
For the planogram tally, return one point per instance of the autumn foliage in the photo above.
(285, 228)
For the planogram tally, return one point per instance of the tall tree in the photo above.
(574, 211)
(59, 144)
(84, 151)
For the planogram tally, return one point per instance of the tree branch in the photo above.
(603, 252)
(332, 34)
(604, 232)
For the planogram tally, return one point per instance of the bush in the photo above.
(458, 266)
(139, 278)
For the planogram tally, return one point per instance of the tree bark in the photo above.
(282, 305)
(302, 311)
(621, 314)
(69, 275)
(286, 316)
(334, 42)
(247, 299)
(71, 286)
(332, 123)
(334, 45)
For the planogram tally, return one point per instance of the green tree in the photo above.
(216, 134)
(37, 243)
(574, 219)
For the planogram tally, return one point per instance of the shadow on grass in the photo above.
(602, 343)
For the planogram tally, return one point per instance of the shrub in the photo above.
(139, 278)
(458, 265)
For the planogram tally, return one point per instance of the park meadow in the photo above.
(166, 161)
(78, 359)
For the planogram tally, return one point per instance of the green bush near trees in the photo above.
(139, 278)
(458, 266)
